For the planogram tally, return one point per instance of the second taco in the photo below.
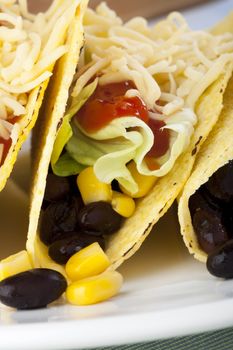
(142, 102)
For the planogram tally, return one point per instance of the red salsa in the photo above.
(7, 143)
(151, 163)
(161, 138)
(108, 102)
(6, 146)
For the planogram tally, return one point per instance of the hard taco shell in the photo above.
(129, 238)
(28, 121)
(46, 129)
(216, 152)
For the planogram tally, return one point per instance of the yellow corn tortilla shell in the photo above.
(135, 229)
(216, 152)
(226, 25)
(26, 124)
(29, 119)
(52, 110)
(152, 207)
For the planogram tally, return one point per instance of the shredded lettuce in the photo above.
(111, 148)
(67, 166)
(65, 131)
(125, 139)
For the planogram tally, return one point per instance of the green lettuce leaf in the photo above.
(65, 131)
(111, 148)
(67, 166)
(125, 139)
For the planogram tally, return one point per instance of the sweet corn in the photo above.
(145, 183)
(92, 290)
(88, 262)
(123, 204)
(91, 189)
(14, 264)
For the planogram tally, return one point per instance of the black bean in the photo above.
(220, 183)
(73, 185)
(57, 188)
(99, 216)
(32, 289)
(227, 213)
(201, 200)
(60, 251)
(59, 218)
(45, 204)
(207, 220)
(92, 233)
(220, 261)
(209, 229)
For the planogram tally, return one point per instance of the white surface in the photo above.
(166, 292)
(208, 14)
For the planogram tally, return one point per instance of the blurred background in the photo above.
(129, 8)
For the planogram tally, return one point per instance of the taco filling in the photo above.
(206, 203)
(130, 115)
(211, 210)
(141, 103)
(29, 46)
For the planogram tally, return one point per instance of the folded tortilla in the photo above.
(215, 153)
(30, 46)
(192, 102)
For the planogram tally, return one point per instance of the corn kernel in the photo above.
(89, 261)
(123, 204)
(145, 183)
(91, 189)
(95, 289)
(14, 264)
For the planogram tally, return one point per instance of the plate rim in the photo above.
(144, 327)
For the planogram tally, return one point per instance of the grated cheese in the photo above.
(170, 57)
(29, 45)
(170, 64)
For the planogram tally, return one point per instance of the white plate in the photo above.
(166, 293)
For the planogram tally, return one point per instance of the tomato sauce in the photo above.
(151, 163)
(7, 143)
(6, 146)
(161, 138)
(108, 102)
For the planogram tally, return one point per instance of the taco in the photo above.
(142, 102)
(205, 206)
(30, 46)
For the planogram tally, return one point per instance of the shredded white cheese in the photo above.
(170, 57)
(170, 64)
(29, 45)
